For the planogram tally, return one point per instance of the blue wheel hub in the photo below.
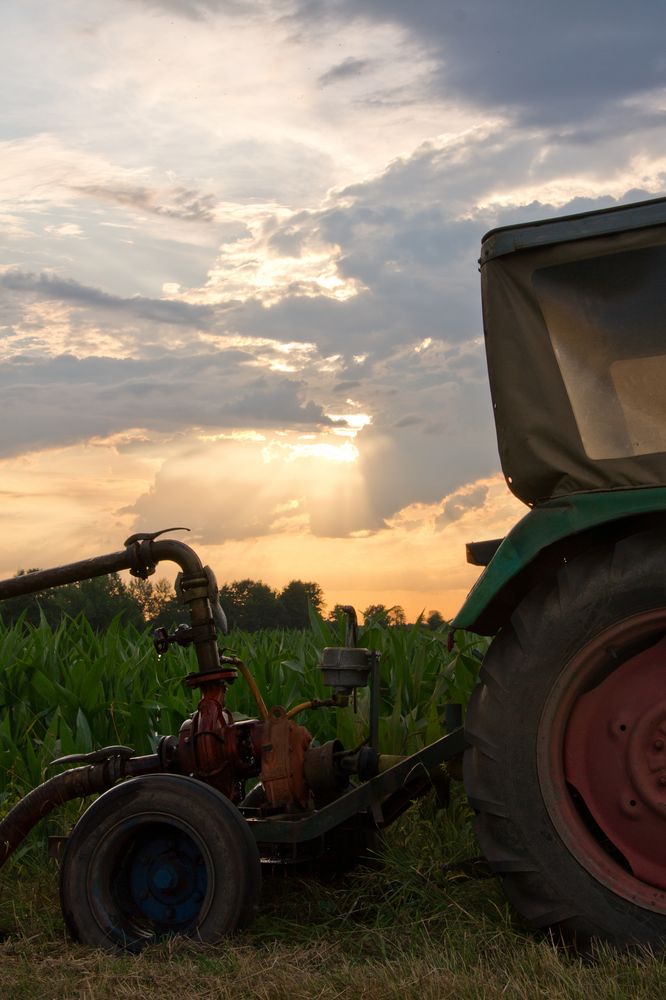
(167, 878)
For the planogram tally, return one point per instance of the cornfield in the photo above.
(69, 690)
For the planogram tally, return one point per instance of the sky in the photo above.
(238, 267)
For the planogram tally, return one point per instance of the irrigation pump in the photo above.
(564, 741)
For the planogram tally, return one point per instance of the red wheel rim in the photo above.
(602, 758)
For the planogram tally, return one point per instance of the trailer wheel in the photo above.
(157, 856)
(566, 765)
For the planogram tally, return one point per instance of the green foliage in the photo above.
(251, 605)
(435, 620)
(379, 614)
(296, 598)
(101, 600)
(157, 601)
(69, 689)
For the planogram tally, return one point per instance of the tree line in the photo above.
(249, 605)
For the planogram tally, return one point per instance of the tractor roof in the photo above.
(574, 314)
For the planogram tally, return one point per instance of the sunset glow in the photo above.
(238, 270)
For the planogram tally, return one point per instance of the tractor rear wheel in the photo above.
(566, 766)
(157, 856)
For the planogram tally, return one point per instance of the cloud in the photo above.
(52, 287)
(349, 67)
(336, 240)
(197, 10)
(249, 489)
(175, 203)
(560, 63)
(460, 503)
(66, 400)
(404, 341)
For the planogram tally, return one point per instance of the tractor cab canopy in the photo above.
(575, 321)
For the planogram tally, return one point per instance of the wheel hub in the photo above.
(615, 757)
(167, 880)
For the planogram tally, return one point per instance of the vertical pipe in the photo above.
(374, 701)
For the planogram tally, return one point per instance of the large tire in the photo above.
(564, 765)
(157, 856)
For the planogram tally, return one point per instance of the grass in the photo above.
(415, 927)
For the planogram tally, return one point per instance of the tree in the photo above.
(434, 621)
(379, 614)
(337, 612)
(158, 602)
(295, 599)
(376, 614)
(251, 605)
(33, 606)
(100, 600)
(397, 615)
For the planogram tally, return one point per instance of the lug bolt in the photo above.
(658, 744)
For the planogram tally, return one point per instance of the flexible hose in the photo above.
(38, 803)
(252, 684)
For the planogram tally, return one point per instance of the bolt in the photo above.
(658, 744)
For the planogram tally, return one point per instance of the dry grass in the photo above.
(411, 929)
(331, 968)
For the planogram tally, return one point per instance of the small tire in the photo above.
(531, 771)
(156, 856)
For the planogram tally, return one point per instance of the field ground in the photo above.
(416, 927)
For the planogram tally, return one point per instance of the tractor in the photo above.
(564, 740)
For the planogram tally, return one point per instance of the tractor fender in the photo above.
(549, 535)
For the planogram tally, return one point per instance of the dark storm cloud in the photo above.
(52, 287)
(197, 10)
(408, 346)
(344, 70)
(66, 400)
(411, 420)
(561, 62)
(413, 463)
(412, 237)
(347, 386)
(460, 503)
(177, 203)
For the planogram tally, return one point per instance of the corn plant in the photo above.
(68, 689)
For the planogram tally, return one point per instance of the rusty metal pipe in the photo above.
(140, 555)
(86, 569)
(180, 553)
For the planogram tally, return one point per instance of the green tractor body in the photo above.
(566, 731)
(574, 324)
